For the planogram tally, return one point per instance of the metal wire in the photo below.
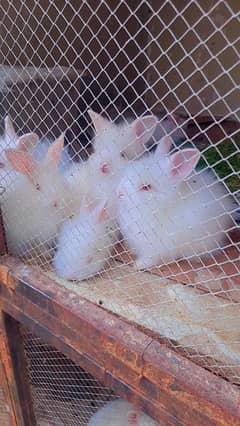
(124, 60)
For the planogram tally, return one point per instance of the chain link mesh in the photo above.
(176, 59)
(63, 393)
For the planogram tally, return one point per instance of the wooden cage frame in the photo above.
(131, 361)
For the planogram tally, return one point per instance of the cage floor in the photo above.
(202, 325)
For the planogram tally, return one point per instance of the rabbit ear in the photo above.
(21, 161)
(182, 164)
(144, 128)
(9, 128)
(100, 123)
(102, 213)
(164, 145)
(27, 141)
(54, 152)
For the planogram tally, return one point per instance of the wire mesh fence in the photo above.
(121, 198)
(63, 393)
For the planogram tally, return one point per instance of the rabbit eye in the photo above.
(122, 154)
(37, 186)
(148, 187)
(2, 165)
(104, 168)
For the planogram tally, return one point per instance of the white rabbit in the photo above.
(85, 244)
(163, 216)
(37, 202)
(120, 413)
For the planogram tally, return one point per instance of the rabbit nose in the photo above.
(2, 165)
(104, 168)
(120, 194)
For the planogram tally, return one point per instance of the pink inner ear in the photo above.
(183, 163)
(20, 161)
(139, 129)
(144, 128)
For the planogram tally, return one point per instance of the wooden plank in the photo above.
(5, 396)
(122, 349)
(73, 352)
(181, 375)
(16, 371)
(170, 310)
(3, 244)
(14, 365)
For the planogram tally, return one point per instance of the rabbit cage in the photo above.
(166, 339)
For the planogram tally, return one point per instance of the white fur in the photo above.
(85, 245)
(80, 178)
(175, 219)
(127, 139)
(120, 413)
(34, 206)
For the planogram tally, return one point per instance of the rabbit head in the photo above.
(157, 174)
(114, 144)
